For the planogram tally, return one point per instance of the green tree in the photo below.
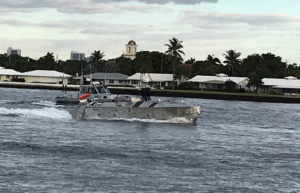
(111, 66)
(97, 61)
(256, 67)
(46, 62)
(18, 63)
(124, 65)
(211, 66)
(255, 80)
(174, 50)
(230, 86)
(233, 62)
(155, 62)
(213, 60)
(273, 65)
(143, 62)
(190, 61)
(97, 56)
(74, 67)
(293, 70)
(252, 67)
(3, 60)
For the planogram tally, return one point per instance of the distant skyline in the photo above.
(205, 26)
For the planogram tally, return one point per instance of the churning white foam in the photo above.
(180, 120)
(4, 101)
(51, 113)
(45, 103)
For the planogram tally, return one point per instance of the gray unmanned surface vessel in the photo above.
(140, 109)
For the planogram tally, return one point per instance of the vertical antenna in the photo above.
(161, 65)
(91, 76)
(56, 62)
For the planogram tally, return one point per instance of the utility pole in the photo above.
(56, 62)
(161, 65)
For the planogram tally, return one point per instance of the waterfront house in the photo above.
(110, 79)
(218, 81)
(155, 79)
(8, 74)
(43, 76)
(286, 85)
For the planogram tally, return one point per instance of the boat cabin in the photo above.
(94, 89)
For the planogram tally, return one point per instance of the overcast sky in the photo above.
(205, 26)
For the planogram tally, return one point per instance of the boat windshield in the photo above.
(102, 89)
(88, 89)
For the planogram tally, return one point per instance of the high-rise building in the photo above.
(77, 56)
(131, 49)
(11, 51)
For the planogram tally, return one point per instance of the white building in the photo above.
(44, 76)
(131, 49)
(77, 56)
(218, 81)
(288, 84)
(155, 79)
(110, 79)
(11, 51)
(8, 74)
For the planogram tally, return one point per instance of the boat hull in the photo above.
(66, 101)
(186, 114)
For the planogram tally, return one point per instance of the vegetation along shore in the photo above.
(255, 67)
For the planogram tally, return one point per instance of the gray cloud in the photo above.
(163, 1)
(66, 6)
(84, 6)
(202, 32)
(15, 23)
(215, 20)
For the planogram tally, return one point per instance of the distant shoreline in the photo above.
(167, 93)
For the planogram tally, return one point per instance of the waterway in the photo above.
(233, 147)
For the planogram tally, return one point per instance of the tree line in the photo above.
(255, 66)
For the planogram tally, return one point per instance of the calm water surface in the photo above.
(233, 147)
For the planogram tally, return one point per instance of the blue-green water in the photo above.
(234, 147)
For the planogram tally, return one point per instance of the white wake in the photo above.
(51, 113)
(45, 103)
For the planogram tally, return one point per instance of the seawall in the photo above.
(215, 96)
(38, 86)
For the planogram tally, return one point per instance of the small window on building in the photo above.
(120, 81)
(111, 81)
(7, 76)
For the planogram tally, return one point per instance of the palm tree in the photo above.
(97, 61)
(97, 56)
(174, 50)
(213, 60)
(232, 60)
(3, 59)
(144, 63)
(191, 61)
